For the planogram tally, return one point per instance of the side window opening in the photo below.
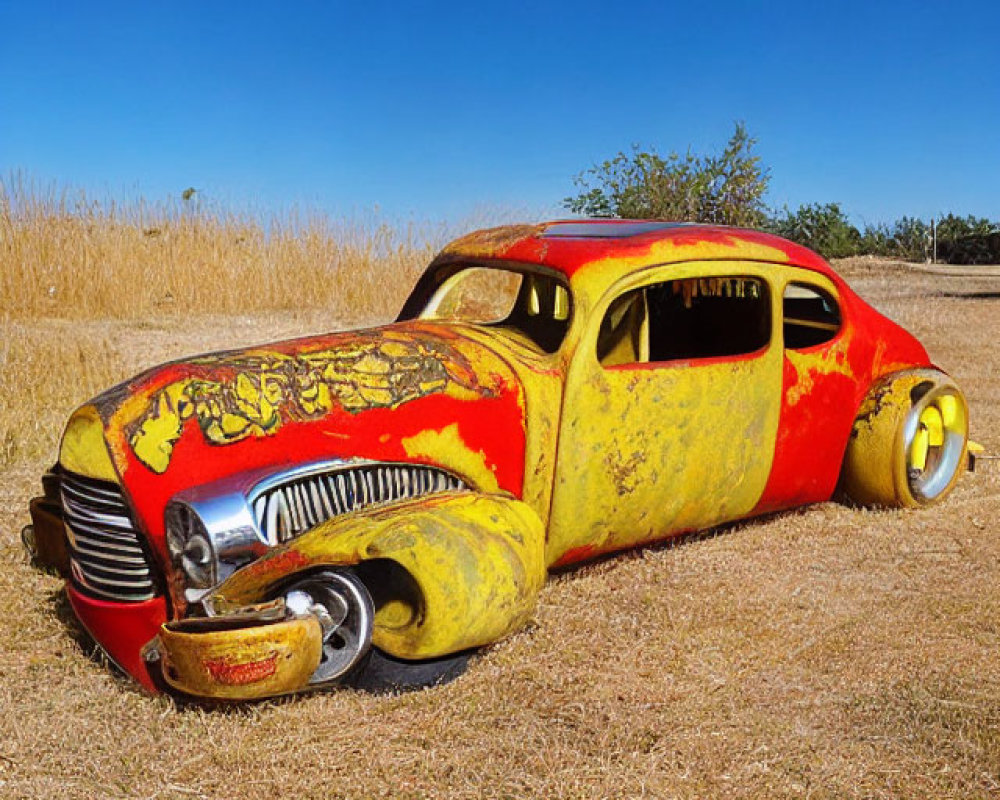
(811, 316)
(686, 319)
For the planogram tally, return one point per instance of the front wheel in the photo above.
(344, 607)
(908, 445)
(345, 612)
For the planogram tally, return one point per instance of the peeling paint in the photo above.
(431, 445)
(825, 361)
(493, 241)
(259, 391)
(230, 673)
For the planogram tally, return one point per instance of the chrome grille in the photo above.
(294, 506)
(106, 557)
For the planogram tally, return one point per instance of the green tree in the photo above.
(907, 238)
(822, 227)
(727, 188)
(910, 240)
(876, 240)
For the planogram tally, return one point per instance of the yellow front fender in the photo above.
(446, 572)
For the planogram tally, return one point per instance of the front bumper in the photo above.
(246, 655)
(45, 537)
(231, 657)
(254, 653)
(121, 629)
(243, 656)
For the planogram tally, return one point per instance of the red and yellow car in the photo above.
(371, 505)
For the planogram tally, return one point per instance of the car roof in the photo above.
(618, 246)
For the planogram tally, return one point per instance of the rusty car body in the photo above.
(269, 520)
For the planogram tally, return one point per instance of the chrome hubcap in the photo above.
(344, 609)
(934, 436)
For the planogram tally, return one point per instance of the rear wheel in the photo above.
(909, 441)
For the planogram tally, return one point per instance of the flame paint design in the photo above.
(258, 392)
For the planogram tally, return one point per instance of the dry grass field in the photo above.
(65, 254)
(826, 653)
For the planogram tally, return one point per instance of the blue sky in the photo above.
(443, 110)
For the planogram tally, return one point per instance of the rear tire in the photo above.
(908, 445)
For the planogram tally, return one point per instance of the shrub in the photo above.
(725, 189)
(968, 240)
(820, 227)
(910, 239)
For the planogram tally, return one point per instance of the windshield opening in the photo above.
(533, 304)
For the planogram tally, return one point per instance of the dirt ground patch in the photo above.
(825, 652)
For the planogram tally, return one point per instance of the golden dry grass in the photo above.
(63, 254)
(827, 653)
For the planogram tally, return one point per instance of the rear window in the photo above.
(811, 316)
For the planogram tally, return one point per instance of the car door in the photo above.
(671, 408)
(820, 391)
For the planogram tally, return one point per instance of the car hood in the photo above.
(413, 392)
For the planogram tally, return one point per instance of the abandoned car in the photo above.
(308, 513)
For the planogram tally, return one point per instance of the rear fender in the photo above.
(446, 572)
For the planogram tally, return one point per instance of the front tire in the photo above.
(344, 607)
(381, 673)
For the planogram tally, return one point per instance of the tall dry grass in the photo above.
(75, 269)
(46, 369)
(66, 254)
